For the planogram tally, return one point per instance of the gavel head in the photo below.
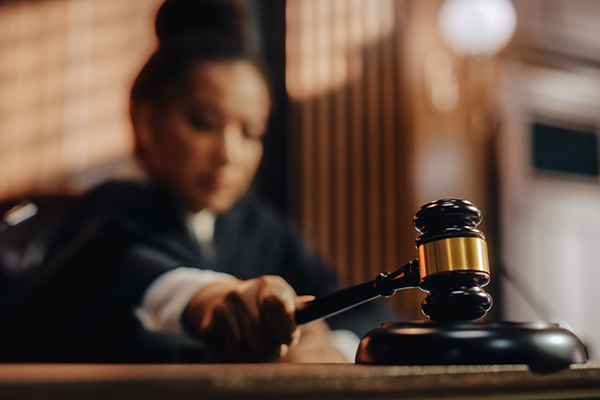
(453, 261)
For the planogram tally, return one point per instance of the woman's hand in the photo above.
(315, 346)
(245, 321)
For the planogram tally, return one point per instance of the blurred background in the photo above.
(381, 106)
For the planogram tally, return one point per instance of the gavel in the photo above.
(452, 267)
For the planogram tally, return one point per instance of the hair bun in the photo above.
(179, 18)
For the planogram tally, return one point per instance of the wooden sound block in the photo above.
(543, 346)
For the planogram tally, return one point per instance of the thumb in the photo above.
(299, 301)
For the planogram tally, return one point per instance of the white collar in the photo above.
(202, 224)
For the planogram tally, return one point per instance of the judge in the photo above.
(185, 265)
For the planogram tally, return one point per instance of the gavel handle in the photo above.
(384, 285)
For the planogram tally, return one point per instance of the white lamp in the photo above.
(477, 27)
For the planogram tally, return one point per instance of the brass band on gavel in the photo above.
(453, 254)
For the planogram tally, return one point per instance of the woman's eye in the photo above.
(201, 123)
(254, 136)
(254, 131)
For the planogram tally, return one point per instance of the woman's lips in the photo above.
(212, 182)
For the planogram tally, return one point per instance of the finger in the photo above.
(215, 342)
(237, 319)
(279, 315)
(255, 338)
(226, 313)
(302, 300)
(221, 334)
(296, 337)
(276, 302)
(284, 350)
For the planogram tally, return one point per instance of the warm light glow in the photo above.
(477, 27)
(66, 67)
(324, 37)
(441, 81)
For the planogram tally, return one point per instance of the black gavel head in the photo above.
(453, 261)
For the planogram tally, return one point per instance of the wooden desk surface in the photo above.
(291, 382)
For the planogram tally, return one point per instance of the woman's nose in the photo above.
(230, 145)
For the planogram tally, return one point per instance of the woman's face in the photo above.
(205, 145)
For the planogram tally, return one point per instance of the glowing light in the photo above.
(477, 27)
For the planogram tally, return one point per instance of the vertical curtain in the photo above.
(351, 171)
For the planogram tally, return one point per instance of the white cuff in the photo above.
(346, 342)
(165, 299)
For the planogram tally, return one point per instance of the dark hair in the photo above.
(191, 31)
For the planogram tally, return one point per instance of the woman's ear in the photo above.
(141, 115)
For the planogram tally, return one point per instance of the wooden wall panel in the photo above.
(345, 79)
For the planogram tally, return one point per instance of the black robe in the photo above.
(121, 236)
